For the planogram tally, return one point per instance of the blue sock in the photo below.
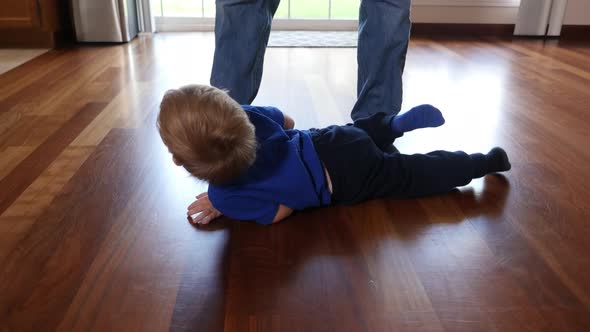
(422, 116)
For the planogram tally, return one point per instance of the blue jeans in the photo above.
(242, 28)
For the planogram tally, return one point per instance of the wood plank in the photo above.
(11, 157)
(29, 169)
(39, 195)
(64, 225)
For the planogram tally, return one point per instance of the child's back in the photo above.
(287, 171)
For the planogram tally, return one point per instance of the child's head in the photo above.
(207, 132)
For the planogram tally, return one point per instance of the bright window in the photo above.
(318, 9)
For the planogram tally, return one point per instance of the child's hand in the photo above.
(204, 208)
(289, 122)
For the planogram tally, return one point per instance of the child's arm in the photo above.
(204, 208)
(240, 204)
(207, 212)
(276, 115)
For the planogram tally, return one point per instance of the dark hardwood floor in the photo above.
(93, 233)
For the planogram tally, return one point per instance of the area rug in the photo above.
(321, 39)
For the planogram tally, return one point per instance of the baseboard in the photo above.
(450, 30)
(575, 32)
(460, 30)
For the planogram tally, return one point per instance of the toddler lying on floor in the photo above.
(261, 169)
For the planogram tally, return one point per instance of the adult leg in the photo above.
(384, 30)
(242, 28)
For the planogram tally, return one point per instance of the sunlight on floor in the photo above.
(12, 58)
(471, 97)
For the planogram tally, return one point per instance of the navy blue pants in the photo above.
(360, 170)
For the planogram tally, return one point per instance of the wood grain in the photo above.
(94, 237)
(29, 169)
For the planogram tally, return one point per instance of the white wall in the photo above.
(577, 12)
(465, 14)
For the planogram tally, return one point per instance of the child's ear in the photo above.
(176, 161)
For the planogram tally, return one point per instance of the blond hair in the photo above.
(207, 132)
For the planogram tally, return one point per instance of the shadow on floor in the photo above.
(282, 269)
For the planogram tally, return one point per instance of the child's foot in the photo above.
(422, 116)
(498, 160)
